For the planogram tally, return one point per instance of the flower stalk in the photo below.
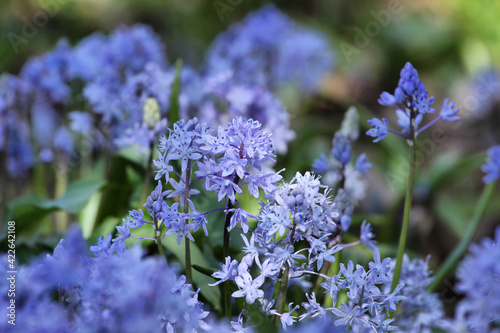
(189, 274)
(407, 206)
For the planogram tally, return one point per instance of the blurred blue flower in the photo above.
(492, 165)
(268, 49)
(341, 148)
(448, 113)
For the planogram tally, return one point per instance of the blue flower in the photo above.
(313, 308)
(492, 165)
(387, 99)
(405, 123)
(341, 148)
(448, 113)
(379, 130)
(137, 219)
(102, 248)
(80, 122)
(327, 255)
(229, 271)
(367, 235)
(248, 287)
(362, 164)
(478, 280)
(379, 269)
(413, 102)
(320, 165)
(240, 216)
(268, 49)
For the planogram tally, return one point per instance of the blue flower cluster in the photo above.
(298, 230)
(225, 162)
(114, 290)
(115, 91)
(412, 102)
(118, 90)
(336, 169)
(421, 311)
(477, 311)
(264, 49)
(479, 281)
(219, 98)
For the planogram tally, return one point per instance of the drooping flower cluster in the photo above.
(336, 169)
(412, 102)
(263, 50)
(124, 291)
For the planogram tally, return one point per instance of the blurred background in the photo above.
(454, 45)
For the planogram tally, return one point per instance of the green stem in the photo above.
(225, 254)
(276, 291)
(406, 215)
(147, 179)
(189, 274)
(284, 277)
(159, 244)
(461, 248)
(61, 179)
(227, 301)
(283, 289)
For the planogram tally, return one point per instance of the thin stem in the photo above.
(159, 244)
(225, 253)
(189, 274)
(284, 277)
(143, 238)
(61, 179)
(429, 124)
(213, 210)
(283, 288)
(227, 223)
(400, 134)
(276, 291)
(462, 247)
(406, 215)
(147, 179)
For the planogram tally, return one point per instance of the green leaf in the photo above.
(449, 167)
(212, 294)
(176, 89)
(77, 195)
(454, 211)
(29, 210)
(204, 270)
(116, 195)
